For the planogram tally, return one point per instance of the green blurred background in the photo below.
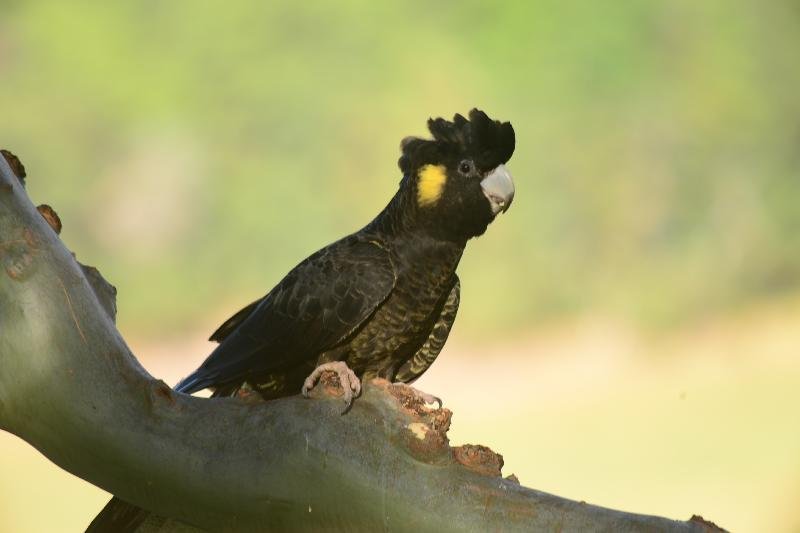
(636, 314)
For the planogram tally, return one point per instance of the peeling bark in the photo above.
(70, 386)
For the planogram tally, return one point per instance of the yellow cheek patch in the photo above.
(431, 182)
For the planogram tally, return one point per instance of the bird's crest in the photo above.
(489, 142)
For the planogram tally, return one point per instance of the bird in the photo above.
(380, 302)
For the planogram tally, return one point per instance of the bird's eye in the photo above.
(465, 167)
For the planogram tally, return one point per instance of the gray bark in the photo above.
(70, 386)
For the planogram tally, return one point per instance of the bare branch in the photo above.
(70, 386)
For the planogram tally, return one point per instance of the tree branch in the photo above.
(71, 387)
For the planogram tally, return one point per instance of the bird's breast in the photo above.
(402, 323)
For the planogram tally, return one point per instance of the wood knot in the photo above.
(480, 459)
(105, 292)
(52, 218)
(425, 442)
(440, 419)
(160, 392)
(707, 524)
(17, 258)
(408, 399)
(16, 165)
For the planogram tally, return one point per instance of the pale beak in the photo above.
(498, 187)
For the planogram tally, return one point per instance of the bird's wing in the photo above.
(424, 357)
(233, 322)
(320, 303)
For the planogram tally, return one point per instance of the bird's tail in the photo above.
(191, 383)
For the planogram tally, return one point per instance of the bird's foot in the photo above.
(429, 399)
(351, 385)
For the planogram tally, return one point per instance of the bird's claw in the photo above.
(429, 399)
(351, 385)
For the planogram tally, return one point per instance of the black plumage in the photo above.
(383, 299)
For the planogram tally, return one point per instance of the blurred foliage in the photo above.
(196, 151)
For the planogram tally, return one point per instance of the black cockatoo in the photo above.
(381, 301)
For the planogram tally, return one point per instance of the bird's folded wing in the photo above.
(319, 304)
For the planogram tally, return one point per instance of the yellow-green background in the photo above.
(629, 332)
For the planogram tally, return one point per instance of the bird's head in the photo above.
(458, 179)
